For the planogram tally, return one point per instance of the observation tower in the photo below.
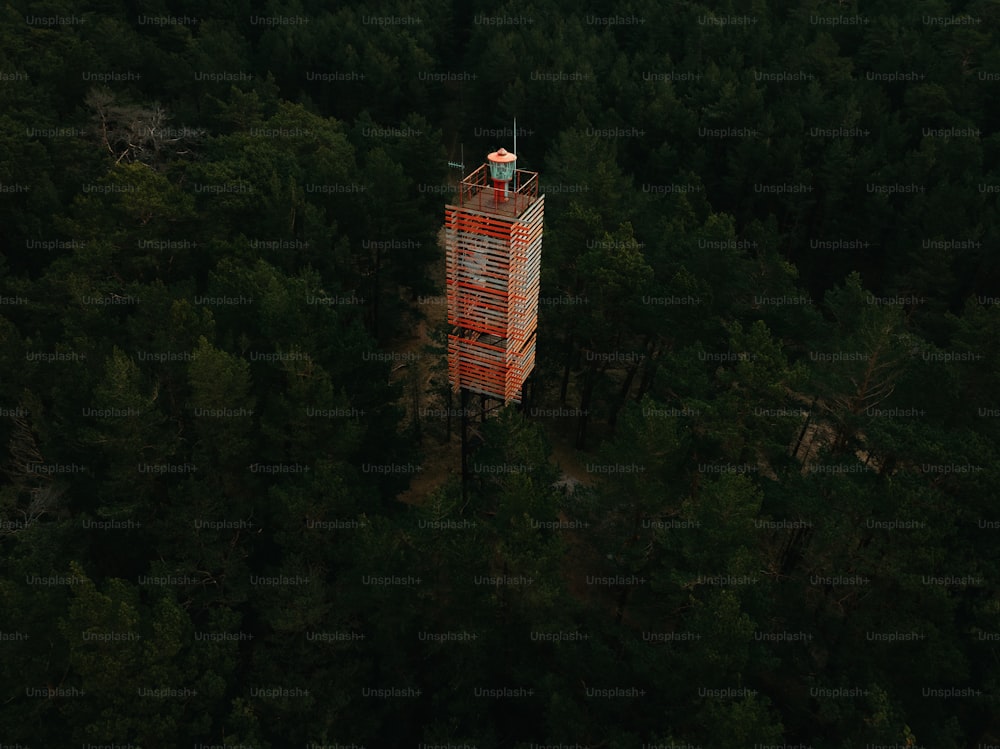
(493, 240)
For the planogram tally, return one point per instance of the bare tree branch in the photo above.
(134, 133)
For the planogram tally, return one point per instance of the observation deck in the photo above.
(476, 193)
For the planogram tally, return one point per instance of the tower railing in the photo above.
(476, 190)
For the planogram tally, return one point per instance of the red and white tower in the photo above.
(493, 239)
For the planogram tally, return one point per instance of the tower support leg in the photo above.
(465, 445)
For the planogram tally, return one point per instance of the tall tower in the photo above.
(493, 239)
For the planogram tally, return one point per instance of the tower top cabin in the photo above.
(498, 187)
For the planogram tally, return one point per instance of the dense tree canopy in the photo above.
(768, 357)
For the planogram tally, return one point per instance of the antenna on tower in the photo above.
(515, 136)
(459, 164)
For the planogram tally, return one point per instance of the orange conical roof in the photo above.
(502, 156)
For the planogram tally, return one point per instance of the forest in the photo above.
(746, 500)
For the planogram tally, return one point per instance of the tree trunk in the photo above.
(626, 388)
(590, 379)
(802, 434)
(447, 418)
(416, 375)
(566, 368)
(648, 373)
(622, 603)
(375, 294)
(794, 550)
